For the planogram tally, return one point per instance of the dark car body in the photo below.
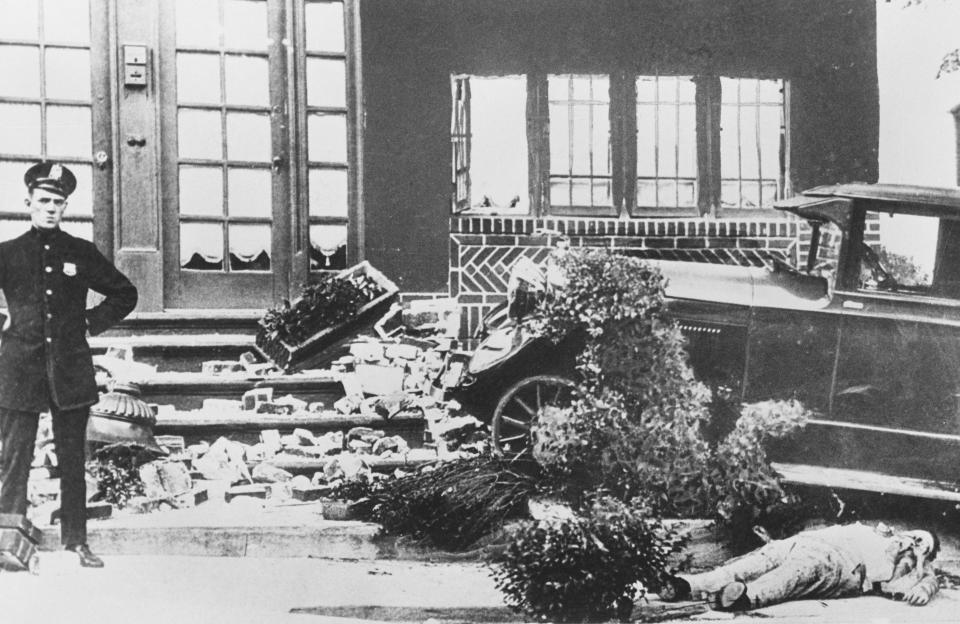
(873, 351)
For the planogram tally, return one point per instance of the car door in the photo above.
(898, 367)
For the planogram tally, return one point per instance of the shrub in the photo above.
(116, 470)
(641, 426)
(741, 474)
(585, 568)
(454, 504)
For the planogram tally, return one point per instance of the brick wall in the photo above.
(482, 249)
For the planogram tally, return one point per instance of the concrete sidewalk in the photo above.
(213, 590)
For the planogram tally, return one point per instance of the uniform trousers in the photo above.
(18, 432)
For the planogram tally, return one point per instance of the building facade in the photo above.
(230, 151)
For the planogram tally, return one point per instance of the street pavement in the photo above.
(241, 590)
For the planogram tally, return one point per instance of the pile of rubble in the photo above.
(397, 376)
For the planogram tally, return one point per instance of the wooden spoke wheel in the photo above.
(521, 404)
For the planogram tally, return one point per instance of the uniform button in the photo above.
(49, 339)
(49, 292)
(49, 316)
(48, 269)
(46, 246)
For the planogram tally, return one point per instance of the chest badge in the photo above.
(69, 269)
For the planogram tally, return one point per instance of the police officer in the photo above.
(45, 362)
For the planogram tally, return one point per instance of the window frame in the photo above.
(623, 145)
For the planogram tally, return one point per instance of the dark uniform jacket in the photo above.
(44, 356)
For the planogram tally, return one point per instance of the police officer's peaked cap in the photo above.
(50, 176)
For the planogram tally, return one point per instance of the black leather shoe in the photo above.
(733, 597)
(87, 558)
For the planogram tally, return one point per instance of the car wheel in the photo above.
(521, 404)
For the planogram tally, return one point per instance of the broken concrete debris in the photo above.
(396, 377)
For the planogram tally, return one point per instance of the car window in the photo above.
(904, 259)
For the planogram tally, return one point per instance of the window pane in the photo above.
(601, 141)
(580, 192)
(667, 140)
(749, 161)
(729, 90)
(750, 194)
(328, 247)
(770, 92)
(730, 193)
(201, 191)
(327, 138)
(326, 82)
(768, 194)
(20, 19)
(250, 247)
(20, 128)
(559, 192)
(81, 201)
(601, 193)
(248, 137)
(686, 193)
(198, 23)
(646, 140)
(667, 193)
(687, 142)
(729, 144)
(770, 141)
(198, 78)
(68, 131)
(66, 21)
(68, 74)
(249, 192)
(201, 246)
(559, 139)
(328, 193)
(325, 26)
(19, 71)
(245, 24)
(199, 134)
(647, 193)
(646, 89)
(248, 81)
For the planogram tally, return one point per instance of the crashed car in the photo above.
(867, 336)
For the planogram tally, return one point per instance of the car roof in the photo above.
(832, 202)
(900, 193)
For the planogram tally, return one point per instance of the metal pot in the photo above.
(121, 416)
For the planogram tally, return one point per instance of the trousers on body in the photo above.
(786, 570)
(18, 433)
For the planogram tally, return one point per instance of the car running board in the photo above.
(843, 478)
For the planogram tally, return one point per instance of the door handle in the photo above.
(853, 305)
(277, 162)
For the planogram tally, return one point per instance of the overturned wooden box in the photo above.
(323, 346)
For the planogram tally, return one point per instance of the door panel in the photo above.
(226, 181)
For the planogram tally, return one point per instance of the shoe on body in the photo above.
(87, 558)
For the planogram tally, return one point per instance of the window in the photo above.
(752, 132)
(326, 130)
(917, 253)
(224, 135)
(489, 141)
(666, 142)
(580, 167)
(46, 110)
(606, 145)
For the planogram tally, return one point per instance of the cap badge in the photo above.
(56, 172)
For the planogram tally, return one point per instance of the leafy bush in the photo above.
(641, 427)
(454, 504)
(585, 568)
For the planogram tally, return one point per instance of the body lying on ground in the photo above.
(832, 562)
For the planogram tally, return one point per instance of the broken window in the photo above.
(489, 142)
